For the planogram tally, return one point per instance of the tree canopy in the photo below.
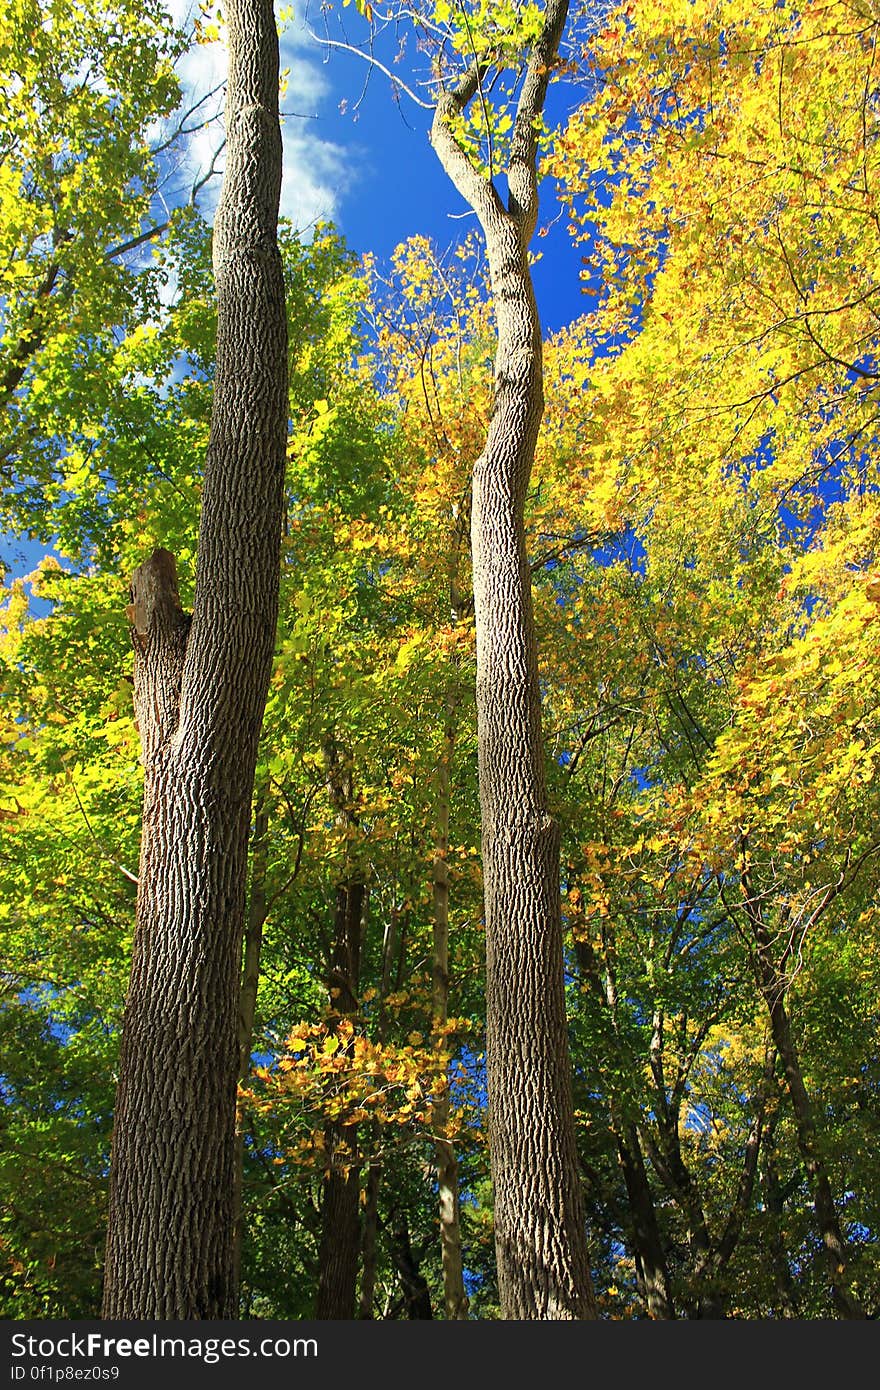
(701, 530)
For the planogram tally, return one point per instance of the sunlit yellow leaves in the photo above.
(338, 1073)
(748, 256)
(408, 651)
(208, 27)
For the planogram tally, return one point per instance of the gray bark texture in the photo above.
(540, 1235)
(200, 691)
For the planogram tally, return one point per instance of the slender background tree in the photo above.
(540, 1233)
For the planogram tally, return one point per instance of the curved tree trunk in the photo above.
(540, 1236)
(199, 698)
(539, 1219)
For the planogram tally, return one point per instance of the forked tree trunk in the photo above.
(199, 696)
(540, 1236)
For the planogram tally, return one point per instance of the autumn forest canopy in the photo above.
(563, 743)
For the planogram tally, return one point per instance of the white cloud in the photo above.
(317, 172)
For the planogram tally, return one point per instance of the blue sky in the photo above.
(396, 187)
(370, 167)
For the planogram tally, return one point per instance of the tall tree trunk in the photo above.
(339, 1249)
(647, 1244)
(416, 1295)
(540, 1235)
(454, 1295)
(199, 697)
(340, 1244)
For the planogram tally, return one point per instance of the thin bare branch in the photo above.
(373, 62)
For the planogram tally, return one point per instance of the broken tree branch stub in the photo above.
(159, 629)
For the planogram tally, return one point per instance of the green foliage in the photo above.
(703, 532)
(83, 85)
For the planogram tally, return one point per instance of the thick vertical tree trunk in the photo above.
(340, 1244)
(199, 694)
(540, 1236)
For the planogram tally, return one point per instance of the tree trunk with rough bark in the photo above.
(540, 1235)
(200, 690)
